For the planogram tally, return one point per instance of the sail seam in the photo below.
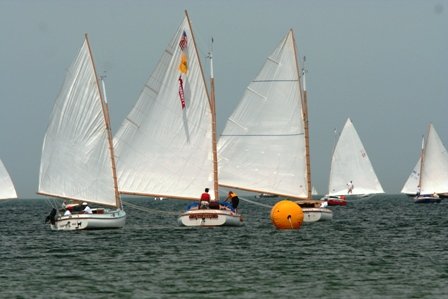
(274, 80)
(261, 135)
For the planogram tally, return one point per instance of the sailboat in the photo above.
(166, 146)
(264, 147)
(433, 172)
(7, 190)
(77, 162)
(351, 172)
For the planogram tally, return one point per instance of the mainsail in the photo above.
(164, 147)
(262, 147)
(7, 189)
(411, 185)
(434, 166)
(77, 160)
(351, 163)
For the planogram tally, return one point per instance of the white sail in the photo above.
(262, 147)
(411, 185)
(76, 160)
(162, 148)
(351, 163)
(434, 168)
(7, 189)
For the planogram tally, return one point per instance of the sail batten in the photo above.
(263, 140)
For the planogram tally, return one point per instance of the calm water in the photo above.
(382, 247)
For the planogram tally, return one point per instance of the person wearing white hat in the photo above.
(87, 209)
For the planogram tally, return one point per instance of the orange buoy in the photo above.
(286, 214)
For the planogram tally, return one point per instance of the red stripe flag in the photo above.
(183, 41)
(181, 92)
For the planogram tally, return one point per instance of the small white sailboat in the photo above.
(166, 146)
(433, 178)
(410, 187)
(351, 172)
(7, 190)
(264, 147)
(77, 161)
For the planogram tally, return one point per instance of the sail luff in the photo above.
(304, 99)
(105, 108)
(212, 103)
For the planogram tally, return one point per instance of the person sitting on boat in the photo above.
(435, 195)
(350, 187)
(67, 212)
(205, 199)
(234, 199)
(87, 209)
(418, 191)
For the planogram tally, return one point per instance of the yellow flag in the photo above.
(183, 66)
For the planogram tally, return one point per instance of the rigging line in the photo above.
(255, 203)
(148, 210)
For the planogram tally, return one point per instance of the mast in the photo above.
(108, 127)
(302, 86)
(212, 109)
(422, 155)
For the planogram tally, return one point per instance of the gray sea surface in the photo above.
(381, 247)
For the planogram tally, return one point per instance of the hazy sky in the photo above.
(383, 63)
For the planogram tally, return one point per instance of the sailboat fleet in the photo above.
(167, 146)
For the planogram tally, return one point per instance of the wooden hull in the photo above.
(111, 219)
(210, 218)
(316, 214)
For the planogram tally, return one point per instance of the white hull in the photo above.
(109, 220)
(316, 214)
(210, 217)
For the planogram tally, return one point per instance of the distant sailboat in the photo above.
(77, 160)
(433, 179)
(166, 146)
(410, 188)
(351, 167)
(7, 190)
(264, 146)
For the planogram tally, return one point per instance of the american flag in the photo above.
(183, 41)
